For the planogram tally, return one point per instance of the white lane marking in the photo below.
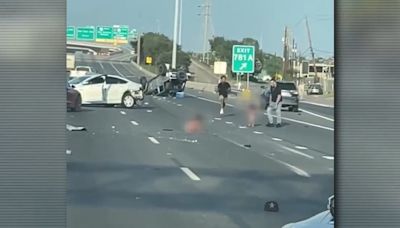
(68, 151)
(293, 168)
(134, 123)
(153, 140)
(317, 115)
(126, 68)
(227, 122)
(217, 118)
(146, 103)
(149, 111)
(117, 70)
(190, 174)
(277, 139)
(296, 170)
(242, 127)
(306, 123)
(179, 105)
(123, 113)
(301, 147)
(317, 104)
(258, 132)
(297, 152)
(102, 67)
(329, 157)
(209, 100)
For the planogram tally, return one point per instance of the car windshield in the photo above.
(287, 86)
(77, 80)
(178, 124)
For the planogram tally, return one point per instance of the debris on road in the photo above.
(74, 128)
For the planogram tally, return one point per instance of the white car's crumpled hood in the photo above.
(134, 86)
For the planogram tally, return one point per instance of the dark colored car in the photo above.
(74, 99)
(290, 95)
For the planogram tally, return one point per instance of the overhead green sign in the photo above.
(121, 32)
(71, 32)
(85, 33)
(132, 34)
(104, 32)
(243, 59)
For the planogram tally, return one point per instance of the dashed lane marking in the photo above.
(329, 157)
(117, 70)
(297, 152)
(317, 115)
(301, 147)
(190, 174)
(153, 140)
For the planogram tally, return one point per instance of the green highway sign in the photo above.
(132, 34)
(70, 32)
(121, 32)
(104, 32)
(85, 33)
(243, 59)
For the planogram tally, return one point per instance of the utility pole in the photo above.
(180, 23)
(316, 79)
(206, 20)
(175, 34)
(138, 48)
(285, 53)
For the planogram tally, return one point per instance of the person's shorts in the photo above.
(222, 96)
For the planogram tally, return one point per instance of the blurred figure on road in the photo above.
(251, 114)
(275, 104)
(223, 89)
(194, 125)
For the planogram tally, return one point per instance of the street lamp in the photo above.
(175, 34)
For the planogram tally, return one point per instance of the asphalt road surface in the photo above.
(139, 168)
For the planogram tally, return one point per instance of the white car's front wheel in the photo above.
(128, 101)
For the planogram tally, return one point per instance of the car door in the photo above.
(114, 89)
(92, 90)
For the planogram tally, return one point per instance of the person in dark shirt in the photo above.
(223, 89)
(275, 104)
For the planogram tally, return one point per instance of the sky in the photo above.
(263, 20)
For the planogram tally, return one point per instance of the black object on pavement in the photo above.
(271, 206)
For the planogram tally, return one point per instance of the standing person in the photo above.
(275, 104)
(223, 89)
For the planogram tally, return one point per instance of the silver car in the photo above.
(290, 95)
(315, 89)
